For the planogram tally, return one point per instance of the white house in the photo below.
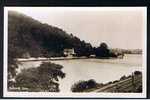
(69, 52)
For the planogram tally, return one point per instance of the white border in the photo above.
(77, 95)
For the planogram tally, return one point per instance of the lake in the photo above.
(101, 70)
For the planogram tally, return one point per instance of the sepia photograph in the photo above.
(75, 52)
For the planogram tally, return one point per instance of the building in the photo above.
(26, 55)
(69, 52)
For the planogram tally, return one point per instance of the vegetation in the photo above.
(114, 86)
(30, 38)
(83, 85)
(12, 66)
(102, 51)
(43, 78)
(48, 41)
(137, 73)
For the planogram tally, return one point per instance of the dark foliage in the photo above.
(40, 39)
(27, 36)
(83, 85)
(12, 66)
(43, 78)
(103, 52)
(123, 77)
(137, 72)
(30, 38)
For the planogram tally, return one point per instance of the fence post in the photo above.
(133, 81)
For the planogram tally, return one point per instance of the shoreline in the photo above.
(65, 58)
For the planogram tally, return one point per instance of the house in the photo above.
(26, 55)
(69, 52)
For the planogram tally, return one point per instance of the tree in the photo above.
(102, 50)
(103, 45)
(43, 78)
(28, 78)
(12, 65)
(49, 74)
(81, 85)
(39, 39)
(91, 83)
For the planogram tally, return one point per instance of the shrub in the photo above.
(81, 85)
(137, 73)
(123, 77)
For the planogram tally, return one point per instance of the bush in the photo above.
(81, 85)
(137, 73)
(91, 83)
(123, 77)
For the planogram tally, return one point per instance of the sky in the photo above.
(119, 27)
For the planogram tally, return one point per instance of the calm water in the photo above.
(102, 70)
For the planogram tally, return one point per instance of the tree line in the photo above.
(27, 35)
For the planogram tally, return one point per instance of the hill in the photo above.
(29, 36)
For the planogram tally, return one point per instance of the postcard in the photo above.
(94, 52)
